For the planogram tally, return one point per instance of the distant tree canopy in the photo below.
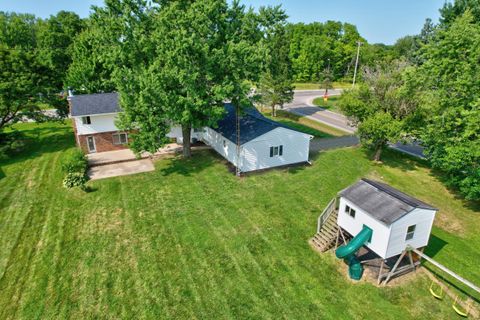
(313, 45)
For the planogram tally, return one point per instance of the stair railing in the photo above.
(322, 218)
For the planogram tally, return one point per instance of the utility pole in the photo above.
(356, 64)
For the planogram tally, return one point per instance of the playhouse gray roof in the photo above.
(98, 103)
(252, 124)
(382, 201)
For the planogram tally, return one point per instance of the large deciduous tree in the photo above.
(383, 107)
(276, 83)
(450, 79)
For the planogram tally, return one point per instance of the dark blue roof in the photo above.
(252, 124)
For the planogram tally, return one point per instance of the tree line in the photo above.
(429, 92)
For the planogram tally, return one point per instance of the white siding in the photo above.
(176, 133)
(223, 146)
(256, 153)
(380, 234)
(423, 219)
(99, 123)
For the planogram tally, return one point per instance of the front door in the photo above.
(91, 144)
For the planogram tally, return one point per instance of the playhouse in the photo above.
(379, 217)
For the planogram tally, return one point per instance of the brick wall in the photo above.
(103, 142)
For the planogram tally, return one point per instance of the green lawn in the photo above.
(304, 124)
(331, 104)
(191, 241)
(316, 86)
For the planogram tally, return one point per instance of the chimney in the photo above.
(70, 92)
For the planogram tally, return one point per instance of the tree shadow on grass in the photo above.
(41, 140)
(442, 177)
(2, 174)
(199, 161)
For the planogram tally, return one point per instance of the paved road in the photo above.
(302, 105)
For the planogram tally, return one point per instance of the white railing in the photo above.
(326, 214)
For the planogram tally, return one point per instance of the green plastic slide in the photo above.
(347, 252)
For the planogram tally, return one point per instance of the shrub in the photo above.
(75, 179)
(74, 161)
(75, 166)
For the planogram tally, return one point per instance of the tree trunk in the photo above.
(274, 112)
(186, 134)
(378, 152)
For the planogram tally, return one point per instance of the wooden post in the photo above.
(343, 237)
(380, 272)
(394, 267)
(338, 236)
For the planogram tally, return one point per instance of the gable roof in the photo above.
(91, 104)
(252, 124)
(382, 201)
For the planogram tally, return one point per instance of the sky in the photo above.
(377, 20)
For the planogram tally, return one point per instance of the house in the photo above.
(395, 219)
(263, 143)
(94, 117)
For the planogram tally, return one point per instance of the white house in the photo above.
(395, 218)
(263, 143)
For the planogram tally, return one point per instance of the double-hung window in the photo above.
(410, 232)
(276, 151)
(86, 120)
(120, 138)
(350, 211)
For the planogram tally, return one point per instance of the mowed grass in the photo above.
(192, 241)
(316, 86)
(303, 124)
(331, 104)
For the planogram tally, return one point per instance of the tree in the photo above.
(383, 107)
(54, 44)
(449, 79)
(452, 10)
(21, 80)
(276, 83)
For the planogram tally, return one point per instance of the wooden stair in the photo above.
(326, 237)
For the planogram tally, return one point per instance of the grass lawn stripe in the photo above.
(221, 236)
(262, 269)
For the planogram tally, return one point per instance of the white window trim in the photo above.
(410, 235)
(84, 120)
(119, 134)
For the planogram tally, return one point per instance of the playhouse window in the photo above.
(86, 120)
(410, 232)
(350, 211)
(120, 138)
(276, 151)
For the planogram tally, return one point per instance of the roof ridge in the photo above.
(405, 198)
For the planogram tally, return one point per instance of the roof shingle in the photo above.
(91, 104)
(382, 201)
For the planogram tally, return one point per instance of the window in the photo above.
(350, 211)
(410, 232)
(276, 151)
(86, 120)
(120, 138)
(224, 143)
